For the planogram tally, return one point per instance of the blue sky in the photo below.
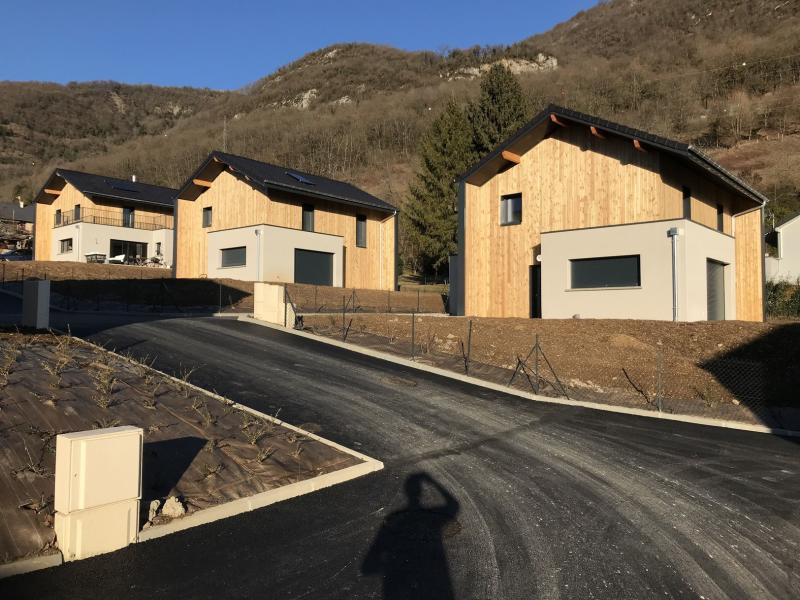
(226, 44)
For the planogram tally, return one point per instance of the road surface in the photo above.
(484, 495)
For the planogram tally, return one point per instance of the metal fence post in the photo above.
(388, 300)
(413, 332)
(659, 370)
(469, 348)
(285, 308)
(344, 309)
(417, 299)
(220, 297)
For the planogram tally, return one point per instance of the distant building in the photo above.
(786, 264)
(85, 217)
(577, 216)
(244, 219)
(16, 213)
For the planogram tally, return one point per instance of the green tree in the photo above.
(500, 110)
(430, 215)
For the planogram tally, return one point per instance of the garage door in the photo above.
(314, 267)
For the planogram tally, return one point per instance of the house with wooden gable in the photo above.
(86, 217)
(576, 216)
(240, 218)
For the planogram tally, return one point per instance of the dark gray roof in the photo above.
(118, 189)
(12, 211)
(681, 150)
(264, 176)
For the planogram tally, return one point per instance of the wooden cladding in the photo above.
(236, 203)
(574, 179)
(749, 266)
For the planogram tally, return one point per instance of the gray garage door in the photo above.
(313, 267)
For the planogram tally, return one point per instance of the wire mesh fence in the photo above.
(316, 299)
(646, 378)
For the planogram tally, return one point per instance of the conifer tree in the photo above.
(500, 110)
(430, 215)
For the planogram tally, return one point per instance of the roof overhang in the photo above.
(552, 118)
(211, 168)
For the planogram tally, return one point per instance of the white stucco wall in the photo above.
(90, 238)
(786, 266)
(270, 254)
(653, 299)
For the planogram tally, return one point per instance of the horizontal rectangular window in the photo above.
(233, 257)
(361, 231)
(207, 216)
(609, 271)
(511, 209)
(65, 246)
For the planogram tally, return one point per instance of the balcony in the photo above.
(112, 218)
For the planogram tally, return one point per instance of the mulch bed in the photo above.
(197, 447)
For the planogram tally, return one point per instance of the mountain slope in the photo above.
(723, 74)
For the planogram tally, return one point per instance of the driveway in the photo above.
(484, 495)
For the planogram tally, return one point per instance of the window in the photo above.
(58, 216)
(129, 250)
(77, 212)
(361, 231)
(308, 217)
(158, 248)
(687, 203)
(511, 209)
(66, 246)
(720, 214)
(609, 271)
(207, 216)
(127, 217)
(233, 257)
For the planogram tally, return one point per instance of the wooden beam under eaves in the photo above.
(511, 157)
(596, 133)
(638, 145)
(555, 120)
(53, 192)
(202, 183)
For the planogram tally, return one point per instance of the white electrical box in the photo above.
(97, 530)
(95, 468)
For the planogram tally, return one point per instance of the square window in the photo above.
(65, 246)
(511, 209)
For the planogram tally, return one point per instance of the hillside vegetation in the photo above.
(722, 74)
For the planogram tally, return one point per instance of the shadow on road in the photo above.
(408, 552)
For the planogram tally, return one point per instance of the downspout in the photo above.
(673, 233)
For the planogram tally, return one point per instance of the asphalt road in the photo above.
(484, 495)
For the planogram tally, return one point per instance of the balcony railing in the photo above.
(115, 219)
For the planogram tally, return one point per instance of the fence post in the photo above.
(413, 332)
(220, 297)
(389, 300)
(344, 309)
(469, 348)
(659, 369)
(316, 306)
(536, 362)
(417, 299)
(285, 308)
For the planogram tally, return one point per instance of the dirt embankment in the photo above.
(709, 364)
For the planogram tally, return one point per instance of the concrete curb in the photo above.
(236, 507)
(228, 509)
(726, 424)
(27, 565)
